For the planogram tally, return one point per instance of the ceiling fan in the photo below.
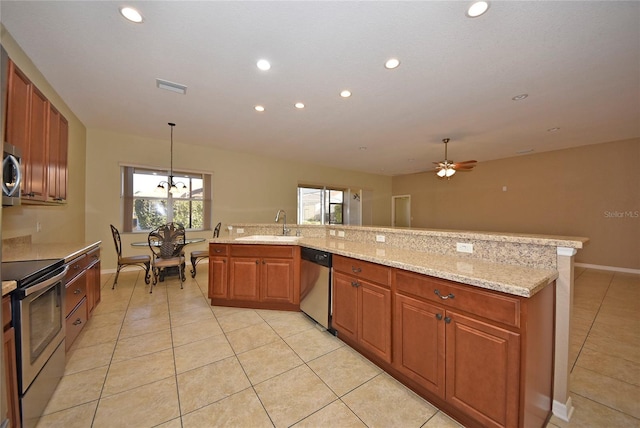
(447, 168)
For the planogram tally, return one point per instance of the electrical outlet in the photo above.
(341, 233)
(380, 238)
(464, 247)
(239, 230)
(38, 227)
(332, 232)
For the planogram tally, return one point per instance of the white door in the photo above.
(401, 211)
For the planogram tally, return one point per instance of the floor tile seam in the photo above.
(612, 378)
(591, 324)
(335, 392)
(103, 397)
(262, 403)
(73, 407)
(218, 401)
(274, 376)
(325, 406)
(584, 397)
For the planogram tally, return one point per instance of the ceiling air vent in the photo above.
(171, 86)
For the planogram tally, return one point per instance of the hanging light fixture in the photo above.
(172, 185)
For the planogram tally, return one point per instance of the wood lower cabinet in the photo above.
(260, 276)
(362, 307)
(10, 366)
(484, 357)
(218, 271)
(82, 292)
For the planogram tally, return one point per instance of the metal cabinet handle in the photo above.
(77, 291)
(355, 284)
(77, 322)
(355, 269)
(217, 251)
(257, 262)
(449, 296)
(447, 320)
(438, 317)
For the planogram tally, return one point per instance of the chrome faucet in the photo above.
(285, 231)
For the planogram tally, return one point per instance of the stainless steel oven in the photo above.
(38, 312)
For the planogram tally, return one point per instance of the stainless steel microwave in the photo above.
(11, 175)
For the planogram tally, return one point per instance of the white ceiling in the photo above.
(579, 61)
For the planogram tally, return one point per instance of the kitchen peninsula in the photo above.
(508, 283)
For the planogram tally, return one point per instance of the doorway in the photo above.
(401, 211)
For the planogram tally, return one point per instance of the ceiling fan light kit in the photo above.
(446, 168)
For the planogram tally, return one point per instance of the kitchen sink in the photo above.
(269, 238)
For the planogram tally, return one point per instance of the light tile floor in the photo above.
(169, 359)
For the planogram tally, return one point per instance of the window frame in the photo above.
(127, 197)
(325, 203)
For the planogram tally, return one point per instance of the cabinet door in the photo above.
(345, 306)
(36, 163)
(483, 364)
(243, 278)
(11, 376)
(93, 287)
(276, 280)
(63, 166)
(419, 342)
(53, 136)
(374, 319)
(18, 96)
(218, 287)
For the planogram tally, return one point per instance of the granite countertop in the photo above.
(512, 279)
(66, 251)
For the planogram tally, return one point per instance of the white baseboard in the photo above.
(610, 268)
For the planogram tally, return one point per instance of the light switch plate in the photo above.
(341, 233)
(380, 238)
(332, 232)
(239, 230)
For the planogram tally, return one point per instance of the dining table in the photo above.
(169, 271)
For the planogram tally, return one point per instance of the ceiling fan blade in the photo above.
(463, 167)
(469, 161)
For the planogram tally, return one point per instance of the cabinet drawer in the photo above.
(218, 250)
(6, 312)
(93, 256)
(76, 266)
(75, 322)
(363, 270)
(75, 291)
(279, 251)
(483, 303)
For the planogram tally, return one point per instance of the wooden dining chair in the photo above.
(167, 243)
(198, 255)
(142, 261)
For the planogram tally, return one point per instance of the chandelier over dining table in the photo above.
(174, 187)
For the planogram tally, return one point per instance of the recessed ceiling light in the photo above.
(477, 8)
(131, 14)
(520, 97)
(345, 94)
(299, 105)
(259, 108)
(554, 129)
(392, 63)
(263, 65)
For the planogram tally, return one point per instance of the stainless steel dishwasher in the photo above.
(315, 285)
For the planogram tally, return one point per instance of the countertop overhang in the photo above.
(511, 279)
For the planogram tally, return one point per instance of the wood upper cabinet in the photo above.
(57, 165)
(41, 134)
(263, 276)
(362, 307)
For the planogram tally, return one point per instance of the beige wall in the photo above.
(574, 192)
(59, 223)
(246, 188)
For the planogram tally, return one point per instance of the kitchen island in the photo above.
(514, 264)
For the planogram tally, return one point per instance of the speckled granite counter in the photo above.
(28, 251)
(517, 280)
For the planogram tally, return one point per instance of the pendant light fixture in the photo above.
(172, 185)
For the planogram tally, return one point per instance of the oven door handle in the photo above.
(46, 283)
